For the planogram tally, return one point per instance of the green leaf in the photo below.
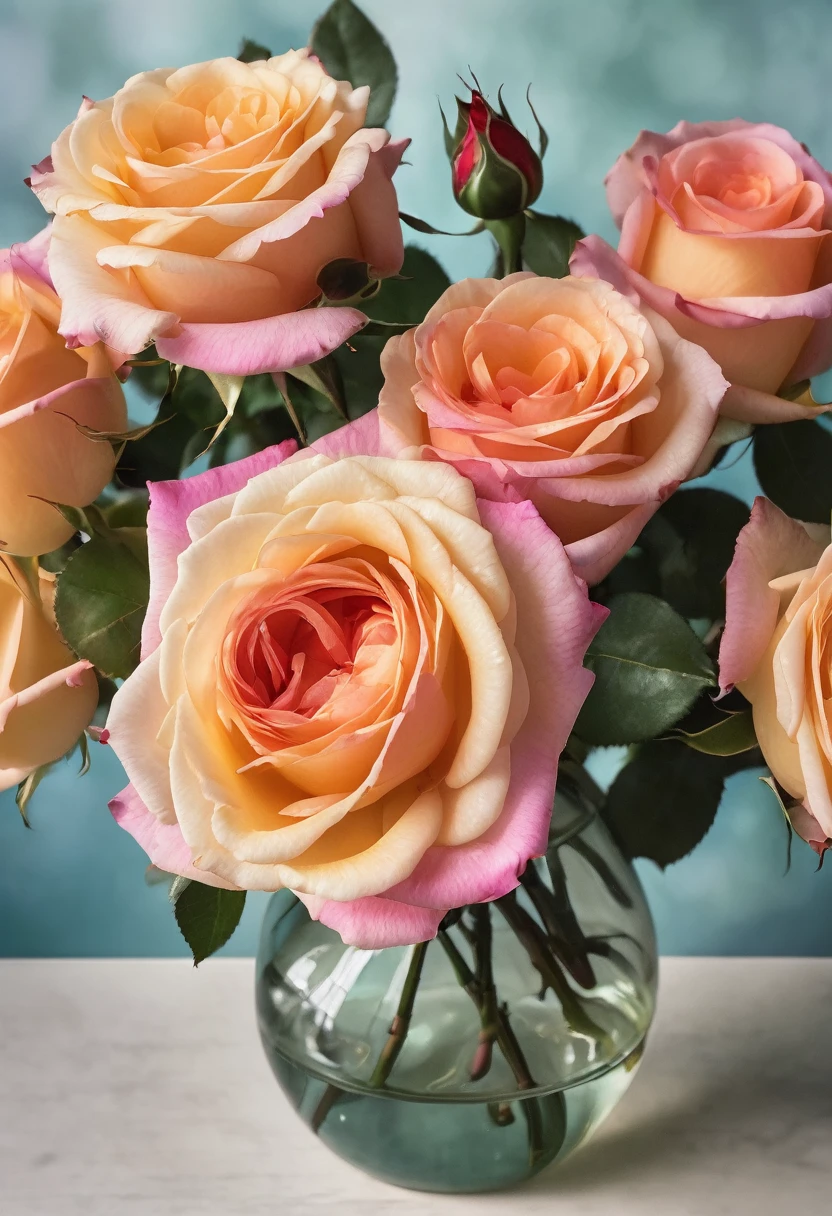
(409, 297)
(251, 52)
(27, 788)
(344, 279)
(228, 390)
(548, 243)
(177, 887)
(542, 134)
(449, 139)
(662, 804)
(101, 600)
(55, 561)
(351, 48)
(193, 408)
(733, 735)
(792, 461)
(128, 509)
(691, 539)
(649, 669)
(207, 916)
(423, 226)
(325, 378)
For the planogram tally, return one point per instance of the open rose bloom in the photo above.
(47, 696)
(562, 391)
(197, 207)
(48, 395)
(725, 230)
(777, 648)
(357, 680)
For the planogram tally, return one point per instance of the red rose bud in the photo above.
(496, 171)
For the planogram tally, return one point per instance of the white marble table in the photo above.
(139, 1087)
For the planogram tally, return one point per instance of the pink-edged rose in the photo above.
(197, 207)
(561, 391)
(725, 232)
(357, 680)
(777, 649)
(51, 401)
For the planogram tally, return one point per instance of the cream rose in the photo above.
(46, 394)
(563, 391)
(725, 230)
(46, 696)
(357, 683)
(197, 207)
(777, 649)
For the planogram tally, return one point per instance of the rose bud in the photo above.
(496, 172)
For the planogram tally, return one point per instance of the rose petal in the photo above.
(769, 546)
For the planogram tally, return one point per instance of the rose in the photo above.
(557, 390)
(724, 231)
(496, 173)
(46, 696)
(196, 208)
(47, 394)
(356, 684)
(776, 650)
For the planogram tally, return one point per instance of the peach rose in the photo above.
(46, 696)
(562, 391)
(45, 392)
(197, 207)
(777, 649)
(724, 231)
(357, 681)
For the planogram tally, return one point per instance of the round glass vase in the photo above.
(472, 1062)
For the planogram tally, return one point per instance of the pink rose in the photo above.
(776, 649)
(724, 231)
(356, 683)
(196, 208)
(562, 391)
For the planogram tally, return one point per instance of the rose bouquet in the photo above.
(391, 557)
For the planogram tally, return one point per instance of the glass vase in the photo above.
(473, 1062)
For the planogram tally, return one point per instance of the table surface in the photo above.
(140, 1087)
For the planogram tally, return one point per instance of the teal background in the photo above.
(600, 70)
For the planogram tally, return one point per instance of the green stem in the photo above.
(602, 869)
(492, 1012)
(559, 920)
(504, 1035)
(325, 1104)
(509, 235)
(482, 939)
(401, 1022)
(534, 941)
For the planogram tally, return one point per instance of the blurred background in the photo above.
(600, 70)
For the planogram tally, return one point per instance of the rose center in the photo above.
(507, 364)
(736, 184)
(306, 651)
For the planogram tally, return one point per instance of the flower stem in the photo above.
(535, 943)
(325, 1104)
(603, 870)
(509, 235)
(496, 1015)
(482, 939)
(503, 1033)
(401, 1022)
(559, 920)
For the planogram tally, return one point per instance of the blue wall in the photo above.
(601, 69)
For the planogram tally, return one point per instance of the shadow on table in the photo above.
(766, 1097)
